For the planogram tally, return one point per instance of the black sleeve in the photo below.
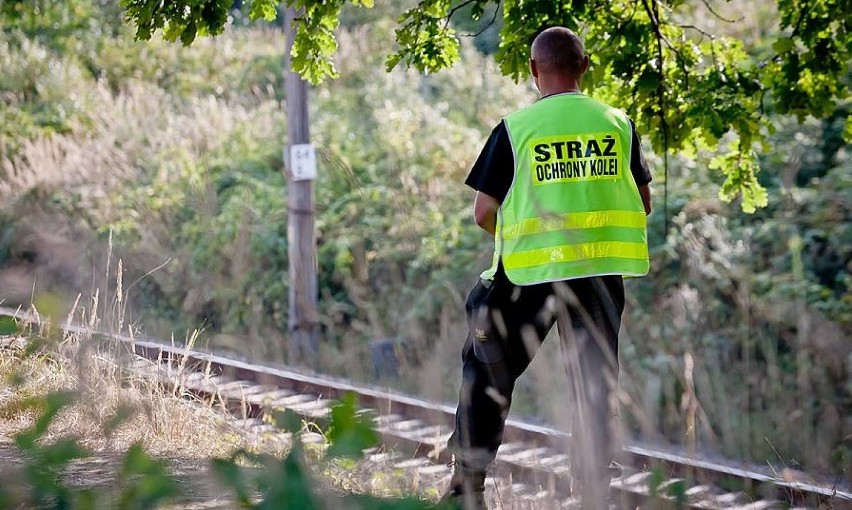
(638, 165)
(494, 170)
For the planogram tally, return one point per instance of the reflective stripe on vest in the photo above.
(573, 209)
(576, 220)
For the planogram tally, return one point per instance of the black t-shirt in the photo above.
(494, 170)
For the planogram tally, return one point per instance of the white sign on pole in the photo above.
(303, 162)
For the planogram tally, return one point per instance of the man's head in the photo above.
(558, 53)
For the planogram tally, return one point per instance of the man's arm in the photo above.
(639, 169)
(491, 177)
(485, 211)
(645, 193)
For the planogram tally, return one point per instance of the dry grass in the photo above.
(126, 129)
(112, 409)
(170, 424)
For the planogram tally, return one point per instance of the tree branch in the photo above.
(681, 61)
(490, 23)
(454, 10)
(653, 14)
(701, 31)
(714, 13)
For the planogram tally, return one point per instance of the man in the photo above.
(563, 186)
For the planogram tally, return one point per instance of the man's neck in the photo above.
(558, 86)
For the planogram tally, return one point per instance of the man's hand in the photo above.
(645, 193)
(485, 211)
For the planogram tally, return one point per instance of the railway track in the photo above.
(531, 455)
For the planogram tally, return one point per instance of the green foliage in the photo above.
(740, 172)
(36, 86)
(681, 83)
(660, 494)
(288, 484)
(426, 40)
(656, 478)
(46, 461)
(351, 432)
(8, 325)
(51, 404)
(287, 420)
(144, 482)
(182, 20)
(232, 476)
(314, 44)
(51, 22)
(812, 57)
(847, 129)
(263, 9)
(677, 491)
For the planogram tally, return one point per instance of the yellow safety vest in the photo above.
(573, 209)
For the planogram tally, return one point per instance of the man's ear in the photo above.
(585, 65)
(533, 68)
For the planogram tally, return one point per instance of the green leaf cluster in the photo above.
(661, 495)
(426, 40)
(351, 432)
(740, 171)
(314, 46)
(8, 326)
(809, 70)
(46, 461)
(283, 483)
(315, 42)
(179, 20)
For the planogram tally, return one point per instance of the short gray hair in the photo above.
(558, 50)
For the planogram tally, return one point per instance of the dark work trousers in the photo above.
(507, 324)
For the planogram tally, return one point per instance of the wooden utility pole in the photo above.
(300, 168)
